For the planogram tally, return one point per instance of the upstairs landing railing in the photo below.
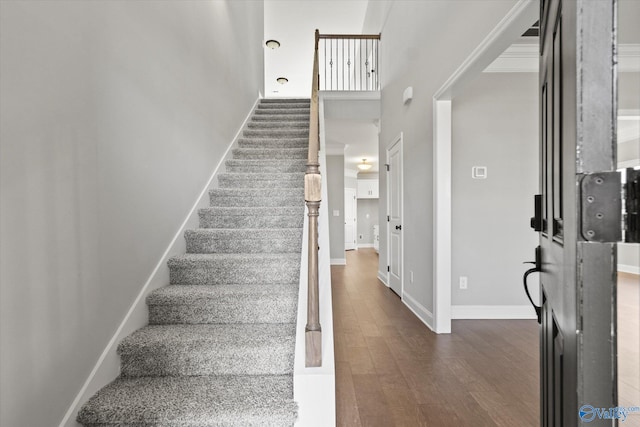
(348, 62)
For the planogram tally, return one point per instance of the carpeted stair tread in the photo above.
(225, 269)
(205, 401)
(256, 197)
(212, 240)
(192, 304)
(270, 153)
(208, 349)
(260, 166)
(252, 217)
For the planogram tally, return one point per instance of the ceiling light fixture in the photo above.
(273, 44)
(282, 80)
(364, 166)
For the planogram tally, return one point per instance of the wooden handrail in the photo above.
(350, 36)
(312, 196)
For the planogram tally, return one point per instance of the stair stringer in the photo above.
(314, 388)
(107, 367)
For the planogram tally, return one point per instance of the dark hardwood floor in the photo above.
(391, 370)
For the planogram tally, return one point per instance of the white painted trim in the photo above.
(418, 309)
(632, 269)
(493, 312)
(338, 261)
(514, 23)
(136, 316)
(442, 216)
(364, 245)
(383, 277)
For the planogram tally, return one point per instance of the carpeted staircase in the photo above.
(219, 347)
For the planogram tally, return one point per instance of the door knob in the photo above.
(398, 227)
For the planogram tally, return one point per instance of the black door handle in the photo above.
(537, 268)
(398, 227)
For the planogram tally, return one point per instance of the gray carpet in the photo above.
(219, 347)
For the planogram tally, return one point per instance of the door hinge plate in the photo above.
(601, 216)
(632, 205)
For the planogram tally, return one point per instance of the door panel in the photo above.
(577, 278)
(394, 219)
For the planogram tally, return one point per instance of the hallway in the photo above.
(391, 370)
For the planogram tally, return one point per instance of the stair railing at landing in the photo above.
(350, 63)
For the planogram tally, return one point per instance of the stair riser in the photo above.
(244, 202)
(267, 167)
(280, 117)
(238, 221)
(224, 182)
(283, 111)
(203, 358)
(276, 133)
(243, 246)
(278, 125)
(249, 154)
(226, 310)
(283, 105)
(251, 273)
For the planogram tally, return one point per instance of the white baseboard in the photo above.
(365, 245)
(419, 310)
(338, 261)
(492, 312)
(107, 367)
(628, 269)
(382, 276)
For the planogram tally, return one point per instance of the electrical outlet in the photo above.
(463, 282)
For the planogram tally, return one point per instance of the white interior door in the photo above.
(350, 219)
(394, 212)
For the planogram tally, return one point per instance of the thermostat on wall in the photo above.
(479, 172)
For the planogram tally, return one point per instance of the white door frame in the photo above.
(397, 140)
(515, 22)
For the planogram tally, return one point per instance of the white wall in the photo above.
(495, 124)
(422, 44)
(335, 180)
(113, 117)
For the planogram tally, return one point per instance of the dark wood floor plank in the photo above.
(399, 373)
